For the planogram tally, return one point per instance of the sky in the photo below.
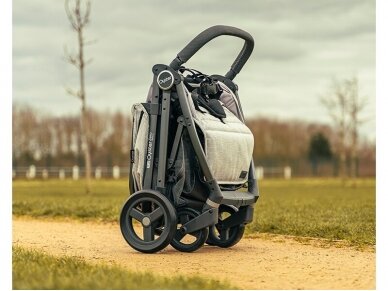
(300, 47)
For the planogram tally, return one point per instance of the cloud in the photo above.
(299, 47)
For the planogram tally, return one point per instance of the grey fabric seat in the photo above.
(228, 143)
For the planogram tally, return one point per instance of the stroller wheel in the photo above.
(148, 221)
(192, 241)
(225, 237)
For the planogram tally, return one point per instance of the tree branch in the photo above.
(86, 18)
(73, 93)
(89, 42)
(71, 58)
(70, 16)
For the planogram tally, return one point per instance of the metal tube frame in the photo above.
(156, 160)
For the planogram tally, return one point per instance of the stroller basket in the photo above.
(191, 153)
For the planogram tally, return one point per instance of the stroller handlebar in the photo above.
(207, 35)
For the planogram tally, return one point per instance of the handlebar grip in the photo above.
(207, 35)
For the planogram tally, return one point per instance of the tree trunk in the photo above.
(356, 106)
(84, 117)
(86, 150)
(354, 155)
(79, 20)
(342, 151)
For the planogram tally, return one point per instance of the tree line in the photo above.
(45, 140)
(309, 148)
(49, 141)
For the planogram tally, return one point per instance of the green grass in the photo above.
(323, 208)
(67, 198)
(36, 270)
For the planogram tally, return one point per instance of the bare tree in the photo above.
(344, 106)
(356, 105)
(336, 102)
(78, 16)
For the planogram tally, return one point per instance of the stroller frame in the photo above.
(168, 84)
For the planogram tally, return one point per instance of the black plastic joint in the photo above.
(156, 69)
(205, 219)
(176, 63)
(215, 192)
(243, 216)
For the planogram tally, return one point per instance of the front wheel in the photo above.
(148, 221)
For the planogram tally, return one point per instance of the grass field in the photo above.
(318, 208)
(36, 270)
(324, 208)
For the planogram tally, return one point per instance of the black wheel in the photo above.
(225, 237)
(142, 214)
(192, 241)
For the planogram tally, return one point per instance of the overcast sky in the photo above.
(300, 46)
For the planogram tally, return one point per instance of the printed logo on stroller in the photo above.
(149, 150)
(165, 80)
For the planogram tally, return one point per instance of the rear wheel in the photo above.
(148, 221)
(189, 242)
(225, 237)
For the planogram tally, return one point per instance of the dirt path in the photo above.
(252, 264)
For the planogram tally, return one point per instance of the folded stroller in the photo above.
(191, 157)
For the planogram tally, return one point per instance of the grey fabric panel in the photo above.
(179, 171)
(140, 139)
(228, 146)
(229, 100)
(190, 164)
